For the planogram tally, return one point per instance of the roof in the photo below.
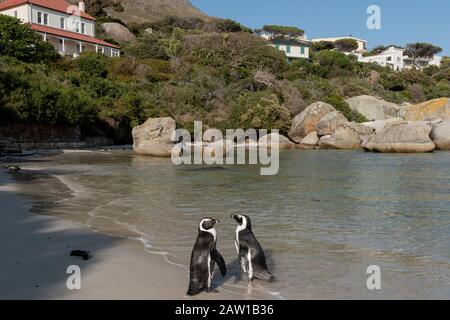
(57, 5)
(71, 35)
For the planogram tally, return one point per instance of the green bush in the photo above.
(93, 64)
(339, 103)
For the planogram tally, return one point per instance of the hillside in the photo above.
(138, 11)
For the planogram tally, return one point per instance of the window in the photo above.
(83, 27)
(288, 49)
(77, 27)
(389, 58)
(15, 14)
(42, 18)
(302, 50)
(63, 23)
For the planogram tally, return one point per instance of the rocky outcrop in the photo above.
(372, 108)
(269, 140)
(307, 120)
(347, 136)
(154, 137)
(330, 122)
(441, 135)
(401, 137)
(310, 141)
(379, 125)
(374, 77)
(118, 32)
(429, 110)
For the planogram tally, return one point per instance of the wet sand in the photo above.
(35, 257)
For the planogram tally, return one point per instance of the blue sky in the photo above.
(403, 21)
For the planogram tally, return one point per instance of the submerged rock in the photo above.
(154, 137)
(401, 137)
(307, 120)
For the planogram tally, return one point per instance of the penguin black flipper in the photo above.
(217, 257)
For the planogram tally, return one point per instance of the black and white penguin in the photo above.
(203, 258)
(250, 254)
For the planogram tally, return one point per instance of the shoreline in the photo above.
(36, 257)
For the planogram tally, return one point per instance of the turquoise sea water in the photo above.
(322, 220)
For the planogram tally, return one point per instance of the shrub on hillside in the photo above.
(93, 64)
(339, 103)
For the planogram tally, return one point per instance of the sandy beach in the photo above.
(35, 257)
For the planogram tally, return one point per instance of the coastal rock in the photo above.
(283, 142)
(310, 141)
(330, 122)
(429, 110)
(379, 125)
(374, 77)
(372, 108)
(307, 120)
(441, 135)
(401, 137)
(344, 137)
(153, 138)
(118, 32)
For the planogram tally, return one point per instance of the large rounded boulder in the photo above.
(429, 110)
(372, 108)
(330, 122)
(154, 137)
(401, 137)
(441, 135)
(118, 32)
(306, 121)
(346, 136)
(272, 139)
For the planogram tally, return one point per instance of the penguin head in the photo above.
(242, 220)
(207, 224)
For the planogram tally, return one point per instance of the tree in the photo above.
(228, 25)
(421, 50)
(346, 45)
(281, 32)
(19, 41)
(323, 45)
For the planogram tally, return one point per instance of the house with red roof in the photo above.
(67, 27)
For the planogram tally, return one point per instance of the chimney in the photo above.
(82, 6)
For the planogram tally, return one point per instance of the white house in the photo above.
(396, 59)
(293, 47)
(362, 44)
(67, 27)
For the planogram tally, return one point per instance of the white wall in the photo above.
(22, 12)
(54, 20)
(295, 51)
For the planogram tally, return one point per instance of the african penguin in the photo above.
(250, 254)
(203, 257)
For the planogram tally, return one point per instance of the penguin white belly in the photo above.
(209, 271)
(250, 267)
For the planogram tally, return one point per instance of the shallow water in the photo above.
(322, 220)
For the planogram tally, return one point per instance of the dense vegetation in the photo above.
(218, 72)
